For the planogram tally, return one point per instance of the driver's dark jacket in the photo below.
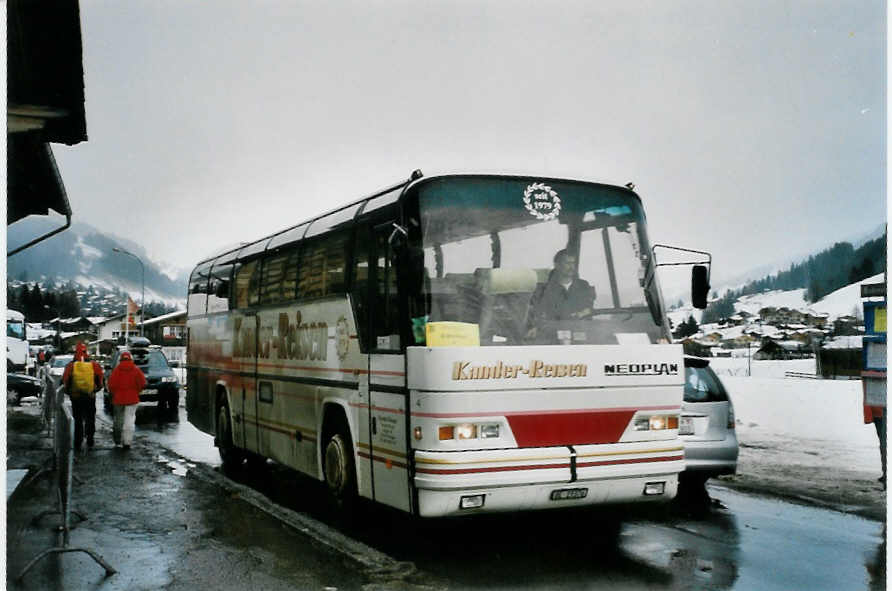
(552, 302)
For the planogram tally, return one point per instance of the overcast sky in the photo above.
(752, 129)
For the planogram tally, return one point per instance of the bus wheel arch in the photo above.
(230, 455)
(338, 460)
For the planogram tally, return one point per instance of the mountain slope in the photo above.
(84, 255)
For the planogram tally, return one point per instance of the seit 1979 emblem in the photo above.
(542, 201)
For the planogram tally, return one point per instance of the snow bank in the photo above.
(765, 368)
(810, 422)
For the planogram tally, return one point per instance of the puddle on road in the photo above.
(757, 543)
(178, 467)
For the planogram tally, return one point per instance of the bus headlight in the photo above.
(469, 431)
(656, 423)
(490, 431)
(466, 431)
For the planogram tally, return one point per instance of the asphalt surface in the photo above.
(163, 523)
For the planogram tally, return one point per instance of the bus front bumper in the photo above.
(490, 481)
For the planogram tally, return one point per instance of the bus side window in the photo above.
(272, 279)
(246, 285)
(289, 280)
(218, 288)
(360, 285)
(198, 288)
(386, 317)
(321, 271)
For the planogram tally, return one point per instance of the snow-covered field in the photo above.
(803, 438)
(817, 422)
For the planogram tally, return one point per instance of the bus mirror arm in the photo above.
(398, 235)
(700, 272)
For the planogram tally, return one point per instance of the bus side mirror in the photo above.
(699, 286)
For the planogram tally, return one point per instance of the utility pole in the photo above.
(142, 303)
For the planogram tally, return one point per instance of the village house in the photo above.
(772, 349)
(113, 328)
(168, 331)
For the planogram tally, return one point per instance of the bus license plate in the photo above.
(686, 426)
(564, 494)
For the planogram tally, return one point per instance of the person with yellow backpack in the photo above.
(82, 378)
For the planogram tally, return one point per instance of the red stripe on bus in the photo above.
(630, 461)
(493, 469)
(387, 461)
(457, 415)
(544, 466)
(569, 428)
(290, 434)
(396, 411)
(247, 367)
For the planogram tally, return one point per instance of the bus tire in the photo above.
(340, 473)
(231, 456)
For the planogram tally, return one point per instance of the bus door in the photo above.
(251, 436)
(387, 379)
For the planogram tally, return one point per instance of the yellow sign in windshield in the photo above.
(452, 334)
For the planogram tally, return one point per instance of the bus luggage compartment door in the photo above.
(390, 470)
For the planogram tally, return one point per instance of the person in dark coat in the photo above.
(83, 400)
(564, 296)
(125, 383)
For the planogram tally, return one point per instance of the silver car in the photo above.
(52, 371)
(706, 426)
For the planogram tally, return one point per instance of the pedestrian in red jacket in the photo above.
(125, 383)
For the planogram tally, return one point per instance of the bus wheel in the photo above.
(232, 457)
(340, 475)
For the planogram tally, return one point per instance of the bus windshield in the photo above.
(535, 262)
(15, 329)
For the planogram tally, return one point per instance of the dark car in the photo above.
(162, 385)
(22, 385)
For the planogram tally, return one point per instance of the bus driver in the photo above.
(563, 297)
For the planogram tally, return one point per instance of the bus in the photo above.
(412, 348)
(16, 342)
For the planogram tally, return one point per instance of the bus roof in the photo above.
(361, 206)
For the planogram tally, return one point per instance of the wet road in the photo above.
(736, 541)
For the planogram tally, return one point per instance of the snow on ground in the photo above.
(803, 438)
(821, 419)
(741, 366)
(825, 416)
(679, 315)
(793, 299)
(845, 300)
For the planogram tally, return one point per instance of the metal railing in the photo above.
(801, 375)
(63, 455)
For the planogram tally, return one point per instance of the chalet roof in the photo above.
(165, 317)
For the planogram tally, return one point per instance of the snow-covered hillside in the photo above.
(845, 301)
(88, 256)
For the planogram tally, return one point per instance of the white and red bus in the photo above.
(412, 348)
